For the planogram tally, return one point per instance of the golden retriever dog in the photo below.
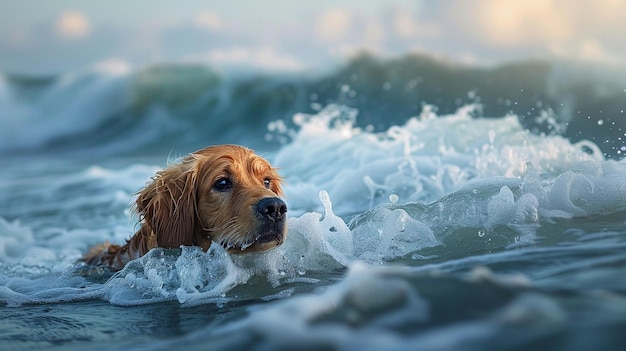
(222, 194)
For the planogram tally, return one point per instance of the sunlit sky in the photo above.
(45, 37)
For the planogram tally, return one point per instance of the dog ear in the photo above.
(168, 205)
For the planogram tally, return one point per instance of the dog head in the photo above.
(224, 194)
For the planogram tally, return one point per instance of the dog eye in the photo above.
(223, 184)
(267, 182)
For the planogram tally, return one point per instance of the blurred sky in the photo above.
(47, 37)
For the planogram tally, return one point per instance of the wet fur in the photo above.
(180, 206)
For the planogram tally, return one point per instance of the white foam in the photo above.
(409, 189)
(190, 276)
(480, 173)
(15, 240)
(391, 233)
(422, 160)
(316, 242)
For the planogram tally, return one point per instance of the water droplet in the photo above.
(393, 198)
(600, 122)
(481, 233)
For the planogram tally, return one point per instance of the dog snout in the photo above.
(272, 209)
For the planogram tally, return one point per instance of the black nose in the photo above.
(272, 209)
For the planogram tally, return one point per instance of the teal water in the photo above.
(443, 231)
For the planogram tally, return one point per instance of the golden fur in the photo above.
(224, 194)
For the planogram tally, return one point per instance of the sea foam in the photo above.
(438, 186)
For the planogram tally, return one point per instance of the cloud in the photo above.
(404, 24)
(314, 35)
(207, 19)
(511, 23)
(407, 25)
(334, 24)
(73, 24)
(572, 29)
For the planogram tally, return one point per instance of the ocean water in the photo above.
(463, 220)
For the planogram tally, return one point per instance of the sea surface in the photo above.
(432, 206)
